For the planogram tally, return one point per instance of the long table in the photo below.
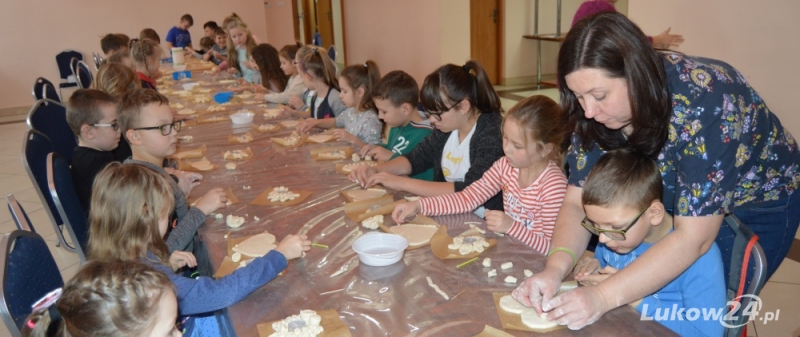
(372, 301)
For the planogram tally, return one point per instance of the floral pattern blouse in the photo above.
(725, 150)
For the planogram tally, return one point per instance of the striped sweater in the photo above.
(534, 208)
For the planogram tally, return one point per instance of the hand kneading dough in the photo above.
(509, 304)
(256, 245)
(534, 321)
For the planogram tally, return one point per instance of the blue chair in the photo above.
(316, 39)
(332, 52)
(50, 118)
(29, 273)
(84, 75)
(18, 214)
(35, 148)
(64, 60)
(62, 189)
(747, 275)
(43, 88)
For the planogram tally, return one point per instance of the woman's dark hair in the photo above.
(362, 75)
(451, 84)
(266, 57)
(612, 43)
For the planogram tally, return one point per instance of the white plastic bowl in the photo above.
(380, 249)
(188, 86)
(242, 117)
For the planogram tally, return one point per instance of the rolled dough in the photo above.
(320, 138)
(509, 304)
(415, 234)
(203, 165)
(534, 321)
(358, 195)
(256, 245)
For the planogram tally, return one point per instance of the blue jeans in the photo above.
(775, 223)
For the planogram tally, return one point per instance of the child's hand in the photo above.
(259, 97)
(595, 279)
(207, 56)
(214, 71)
(187, 180)
(296, 102)
(406, 210)
(214, 199)
(293, 246)
(585, 266)
(377, 152)
(386, 179)
(233, 71)
(361, 173)
(179, 259)
(306, 125)
(498, 221)
(344, 136)
(243, 82)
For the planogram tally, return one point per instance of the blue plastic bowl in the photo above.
(179, 75)
(223, 97)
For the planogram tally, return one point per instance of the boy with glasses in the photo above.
(148, 124)
(92, 116)
(622, 200)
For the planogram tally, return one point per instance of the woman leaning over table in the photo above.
(719, 148)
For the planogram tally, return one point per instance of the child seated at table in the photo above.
(129, 218)
(114, 43)
(206, 43)
(359, 124)
(178, 36)
(150, 33)
(624, 185)
(269, 77)
(147, 122)
(396, 96)
(295, 84)
(218, 53)
(319, 74)
(146, 59)
(92, 116)
(117, 80)
(529, 175)
(109, 297)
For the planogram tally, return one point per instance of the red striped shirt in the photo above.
(534, 208)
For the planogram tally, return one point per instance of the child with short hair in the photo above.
(117, 80)
(146, 57)
(294, 86)
(529, 176)
(150, 33)
(110, 297)
(114, 43)
(319, 73)
(218, 52)
(92, 116)
(396, 96)
(130, 215)
(179, 36)
(210, 28)
(624, 185)
(359, 124)
(121, 58)
(147, 122)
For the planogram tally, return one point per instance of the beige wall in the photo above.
(758, 38)
(278, 18)
(39, 29)
(454, 31)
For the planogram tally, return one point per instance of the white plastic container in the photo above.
(242, 117)
(178, 58)
(189, 86)
(380, 249)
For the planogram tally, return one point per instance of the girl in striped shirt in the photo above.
(529, 175)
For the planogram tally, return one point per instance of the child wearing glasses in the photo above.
(92, 116)
(622, 200)
(148, 124)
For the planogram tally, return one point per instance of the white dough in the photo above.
(507, 265)
(414, 233)
(236, 257)
(492, 273)
(487, 262)
(234, 221)
(218, 216)
(527, 273)
(510, 279)
(531, 319)
(436, 287)
(509, 304)
(372, 222)
(230, 166)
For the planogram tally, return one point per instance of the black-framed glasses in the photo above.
(613, 234)
(114, 125)
(165, 129)
(438, 114)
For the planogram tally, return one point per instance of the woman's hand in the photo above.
(405, 211)
(576, 308)
(498, 221)
(377, 152)
(306, 125)
(666, 40)
(537, 288)
(179, 259)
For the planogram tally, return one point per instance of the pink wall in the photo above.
(278, 17)
(36, 30)
(398, 35)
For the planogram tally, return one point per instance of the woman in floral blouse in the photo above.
(718, 146)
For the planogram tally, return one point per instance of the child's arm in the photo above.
(293, 88)
(378, 152)
(189, 219)
(344, 136)
(468, 199)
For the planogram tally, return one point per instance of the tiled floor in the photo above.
(781, 293)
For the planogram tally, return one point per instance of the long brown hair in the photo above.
(451, 84)
(540, 119)
(612, 43)
(106, 298)
(363, 76)
(266, 57)
(127, 203)
(315, 62)
(232, 22)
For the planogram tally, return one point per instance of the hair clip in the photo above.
(47, 300)
(31, 324)
(365, 65)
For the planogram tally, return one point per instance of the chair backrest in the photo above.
(63, 60)
(18, 214)
(98, 61)
(332, 52)
(28, 273)
(62, 189)
(35, 148)
(84, 75)
(43, 88)
(50, 118)
(316, 39)
(748, 273)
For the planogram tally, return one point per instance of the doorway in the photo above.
(486, 36)
(324, 17)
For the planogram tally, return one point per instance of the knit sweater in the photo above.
(293, 87)
(485, 148)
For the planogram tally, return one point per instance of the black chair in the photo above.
(43, 88)
(62, 190)
(747, 275)
(50, 118)
(84, 75)
(64, 60)
(29, 273)
(35, 148)
(18, 214)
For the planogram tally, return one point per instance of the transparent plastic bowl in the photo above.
(380, 249)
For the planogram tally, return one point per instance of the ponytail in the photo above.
(320, 66)
(39, 324)
(363, 75)
(451, 84)
(143, 49)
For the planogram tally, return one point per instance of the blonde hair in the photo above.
(142, 50)
(130, 107)
(106, 298)
(127, 203)
(83, 108)
(116, 79)
(232, 22)
(540, 119)
(315, 62)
